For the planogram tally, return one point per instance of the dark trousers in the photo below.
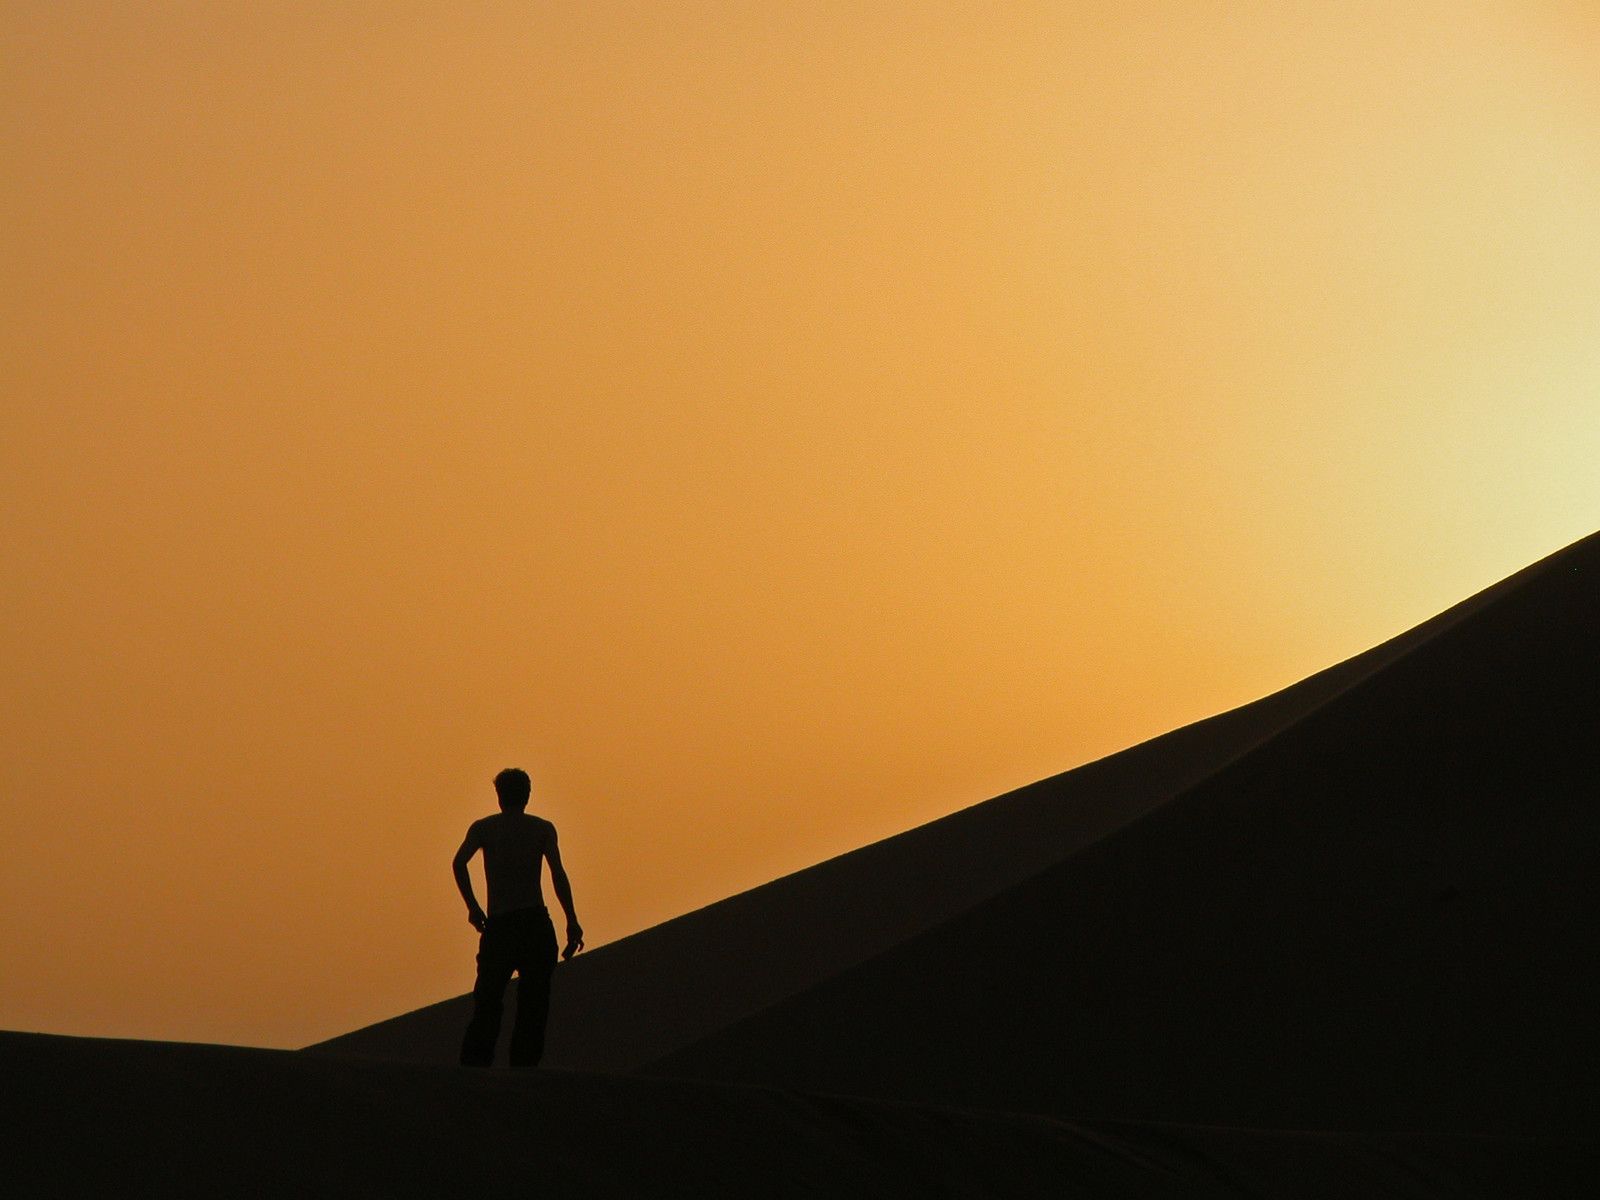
(523, 941)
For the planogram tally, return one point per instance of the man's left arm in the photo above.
(469, 847)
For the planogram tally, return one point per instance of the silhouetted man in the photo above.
(516, 935)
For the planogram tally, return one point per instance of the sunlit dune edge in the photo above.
(1380, 917)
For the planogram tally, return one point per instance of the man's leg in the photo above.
(495, 962)
(535, 965)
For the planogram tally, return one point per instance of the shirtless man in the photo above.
(516, 934)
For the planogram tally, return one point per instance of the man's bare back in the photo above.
(514, 846)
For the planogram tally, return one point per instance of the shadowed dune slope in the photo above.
(103, 1118)
(1382, 917)
(637, 999)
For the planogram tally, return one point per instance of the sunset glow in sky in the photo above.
(772, 425)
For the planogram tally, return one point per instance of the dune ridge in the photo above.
(1379, 917)
(630, 1003)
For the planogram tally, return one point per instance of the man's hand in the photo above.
(574, 939)
(476, 919)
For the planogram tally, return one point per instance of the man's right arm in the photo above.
(563, 889)
(469, 847)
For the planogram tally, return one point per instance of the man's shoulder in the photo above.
(514, 828)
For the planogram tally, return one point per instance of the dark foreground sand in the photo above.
(87, 1117)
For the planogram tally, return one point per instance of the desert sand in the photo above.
(1334, 943)
(85, 1117)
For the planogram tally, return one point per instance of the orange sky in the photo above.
(772, 425)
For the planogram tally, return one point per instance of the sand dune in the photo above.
(86, 1117)
(632, 1002)
(1380, 917)
(1335, 943)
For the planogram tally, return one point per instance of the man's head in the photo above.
(512, 786)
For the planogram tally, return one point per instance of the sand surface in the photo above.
(86, 1117)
